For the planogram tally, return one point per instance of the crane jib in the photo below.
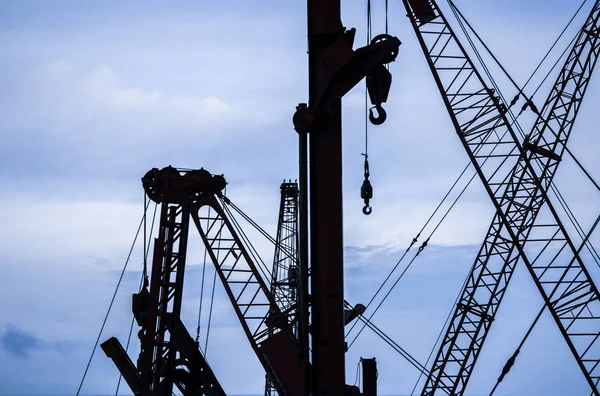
(519, 192)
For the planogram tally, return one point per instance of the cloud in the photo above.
(19, 343)
(103, 85)
(23, 344)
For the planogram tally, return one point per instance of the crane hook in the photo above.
(381, 117)
(367, 209)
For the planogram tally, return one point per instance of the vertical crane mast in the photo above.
(518, 193)
(166, 293)
(326, 228)
(284, 282)
(497, 257)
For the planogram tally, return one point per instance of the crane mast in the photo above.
(518, 192)
(284, 281)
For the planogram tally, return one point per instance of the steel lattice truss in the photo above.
(518, 192)
(167, 272)
(255, 306)
(284, 282)
(284, 285)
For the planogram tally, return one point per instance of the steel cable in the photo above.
(111, 303)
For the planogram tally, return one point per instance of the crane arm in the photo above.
(267, 329)
(497, 257)
(518, 193)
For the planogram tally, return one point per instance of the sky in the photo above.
(94, 94)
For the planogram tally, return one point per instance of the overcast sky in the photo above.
(94, 94)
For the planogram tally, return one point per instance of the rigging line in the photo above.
(591, 249)
(582, 168)
(87, 367)
(437, 226)
(421, 248)
(202, 283)
(395, 346)
(126, 348)
(264, 233)
(386, 16)
(512, 359)
(128, 341)
(260, 264)
(212, 300)
(390, 341)
(366, 90)
(496, 59)
(423, 228)
(145, 254)
(457, 13)
(514, 121)
(356, 378)
(267, 272)
(442, 330)
(554, 44)
(145, 273)
(387, 294)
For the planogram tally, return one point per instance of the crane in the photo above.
(284, 280)
(518, 192)
(169, 357)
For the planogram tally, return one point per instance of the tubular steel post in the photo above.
(324, 27)
(303, 312)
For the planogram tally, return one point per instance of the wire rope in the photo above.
(142, 283)
(202, 282)
(87, 367)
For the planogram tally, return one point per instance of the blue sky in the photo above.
(96, 93)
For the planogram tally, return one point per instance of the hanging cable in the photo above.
(142, 281)
(366, 189)
(202, 282)
(389, 341)
(439, 223)
(357, 373)
(415, 239)
(87, 367)
(260, 264)
(519, 89)
(145, 281)
(289, 254)
(444, 326)
(460, 17)
(212, 299)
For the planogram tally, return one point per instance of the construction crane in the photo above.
(169, 356)
(163, 361)
(284, 280)
(518, 191)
